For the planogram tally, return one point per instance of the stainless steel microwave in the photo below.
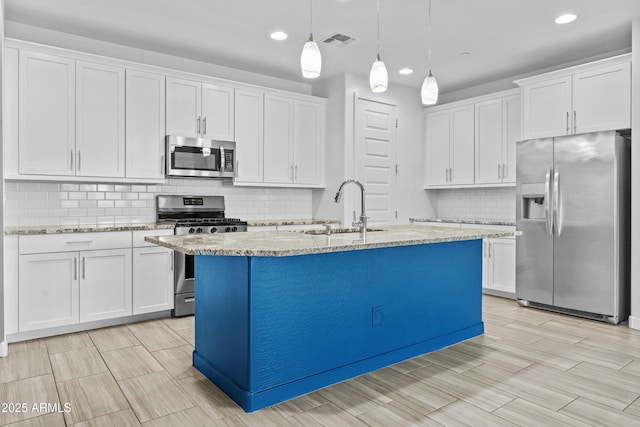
(199, 157)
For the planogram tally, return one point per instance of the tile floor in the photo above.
(530, 368)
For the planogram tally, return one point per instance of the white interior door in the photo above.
(375, 158)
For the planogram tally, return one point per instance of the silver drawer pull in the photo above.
(192, 299)
(79, 241)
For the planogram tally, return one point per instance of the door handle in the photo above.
(75, 268)
(557, 200)
(575, 122)
(198, 125)
(71, 157)
(504, 171)
(568, 123)
(83, 268)
(295, 173)
(171, 257)
(161, 164)
(78, 161)
(204, 126)
(547, 195)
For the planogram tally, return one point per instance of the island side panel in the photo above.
(313, 313)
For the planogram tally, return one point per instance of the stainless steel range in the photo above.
(192, 215)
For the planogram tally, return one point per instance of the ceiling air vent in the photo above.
(338, 39)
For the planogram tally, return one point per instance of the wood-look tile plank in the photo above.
(465, 414)
(17, 347)
(615, 378)
(332, 415)
(159, 338)
(30, 391)
(484, 354)
(502, 333)
(208, 397)
(263, 417)
(175, 323)
(510, 383)
(304, 420)
(24, 364)
(355, 397)
(68, 342)
(114, 338)
(496, 319)
(584, 329)
(300, 404)
(453, 359)
(634, 408)
(147, 324)
(527, 414)
(187, 334)
(581, 353)
(390, 416)
(527, 353)
(546, 332)
(177, 361)
(464, 388)
(91, 397)
(154, 395)
(192, 417)
(131, 362)
(72, 364)
(633, 367)
(54, 419)
(124, 418)
(591, 388)
(598, 414)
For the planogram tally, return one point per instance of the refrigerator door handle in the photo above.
(557, 201)
(547, 202)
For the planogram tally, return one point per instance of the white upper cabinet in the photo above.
(47, 87)
(585, 98)
(145, 125)
(278, 139)
(308, 142)
(249, 119)
(438, 135)
(461, 159)
(512, 133)
(100, 115)
(198, 109)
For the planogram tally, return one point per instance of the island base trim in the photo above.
(257, 400)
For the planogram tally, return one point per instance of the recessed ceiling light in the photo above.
(405, 71)
(279, 35)
(465, 53)
(566, 18)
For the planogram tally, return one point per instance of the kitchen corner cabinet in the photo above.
(585, 98)
(499, 265)
(145, 124)
(152, 274)
(200, 110)
(497, 128)
(450, 146)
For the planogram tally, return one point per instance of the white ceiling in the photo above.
(506, 38)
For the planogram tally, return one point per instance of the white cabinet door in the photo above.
(278, 139)
(438, 134)
(602, 99)
(145, 124)
(546, 108)
(100, 120)
(462, 146)
(249, 108)
(511, 110)
(105, 284)
(489, 143)
(499, 264)
(308, 129)
(217, 112)
(48, 290)
(184, 101)
(152, 279)
(47, 114)
(11, 106)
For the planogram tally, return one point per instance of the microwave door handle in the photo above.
(221, 160)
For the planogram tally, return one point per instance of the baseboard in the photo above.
(4, 348)
(634, 322)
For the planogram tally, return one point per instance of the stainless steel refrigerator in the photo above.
(573, 211)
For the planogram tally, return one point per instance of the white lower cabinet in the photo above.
(105, 284)
(153, 279)
(499, 265)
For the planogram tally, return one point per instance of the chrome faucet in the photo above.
(362, 224)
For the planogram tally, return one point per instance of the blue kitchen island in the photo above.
(280, 314)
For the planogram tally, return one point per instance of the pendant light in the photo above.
(311, 60)
(429, 91)
(378, 77)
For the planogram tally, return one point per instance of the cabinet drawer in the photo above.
(74, 242)
(139, 235)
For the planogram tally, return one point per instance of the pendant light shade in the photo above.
(429, 91)
(378, 77)
(310, 59)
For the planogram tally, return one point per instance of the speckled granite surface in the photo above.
(273, 243)
(283, 222)
(59, 229)
(465, 221)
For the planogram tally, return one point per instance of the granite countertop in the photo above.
(466, 221)
(283, 222)
(274, 243)
(59, 229)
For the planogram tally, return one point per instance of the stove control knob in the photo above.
(199, 230)
(191, 230)
(213, 230)
(234, 229)
(228, 229)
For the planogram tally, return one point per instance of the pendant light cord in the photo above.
(429, 36)
(311, 17)
(378, 9)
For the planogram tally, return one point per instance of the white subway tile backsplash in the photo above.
(69, 187)
(113, 196)
(70, 204)
(77, 195)
(106, 203)
(483, 203)
(88, 187)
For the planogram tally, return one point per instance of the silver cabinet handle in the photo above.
(161, 164)
(204, 126)
(546, 203)
(567, 123)
(450, 174)
(78, 161)
(76, 242)
(295, 173)
(75, 268)
(83, 267)
(71, 157)
(198, 125)
(291, 173)
(171, 257)
(575, 122)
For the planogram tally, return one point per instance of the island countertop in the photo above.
(275, 244)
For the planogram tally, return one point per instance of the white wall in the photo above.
(634, 319)
(412, 199)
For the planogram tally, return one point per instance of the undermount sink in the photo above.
(339, 231)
